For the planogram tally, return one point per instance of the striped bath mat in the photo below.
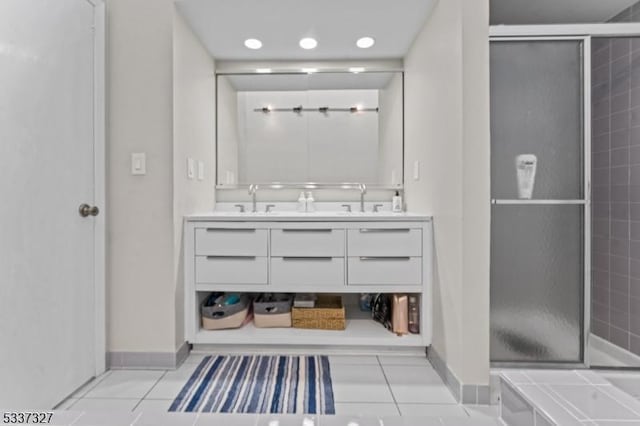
(259, 384)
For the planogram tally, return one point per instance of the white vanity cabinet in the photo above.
(315, 253)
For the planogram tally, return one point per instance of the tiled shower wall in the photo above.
(616, 189)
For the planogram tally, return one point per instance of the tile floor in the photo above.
(580, 398)
(394, 388)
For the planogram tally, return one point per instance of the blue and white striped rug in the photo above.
(259, 384)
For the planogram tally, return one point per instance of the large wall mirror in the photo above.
(327, 128)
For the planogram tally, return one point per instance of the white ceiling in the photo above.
(223, 25)
(522, 12)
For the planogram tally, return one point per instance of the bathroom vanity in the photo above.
(329, 252)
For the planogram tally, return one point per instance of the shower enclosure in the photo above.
(565, 237)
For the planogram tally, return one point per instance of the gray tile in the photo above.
(619, 337)
(601, 126)
(634, 268)
(634, 154)
(484, 394)
(600, 160)
(620, 157)
(620, 319)
(620, 211)
(619, 176)
(634, 193)
(620, 249)
(620, 229)
(601, 228)
(600, 328)
(600, 74)
(620, 47)
(634, 250)
(634, 175)
(620, 193)
(600, 311)
(469, 394)
(634, 136)
(600, 109)
(634, 287)
(634, 344)
(634, 213)
(620, 302)
(635, 231)
(620, 290)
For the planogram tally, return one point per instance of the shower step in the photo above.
(563, 398)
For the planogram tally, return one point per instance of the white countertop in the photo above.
(285, 216)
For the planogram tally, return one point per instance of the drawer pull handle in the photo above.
(231, 230)
(365, 258)
(232, 257)
(307, 230)
(307, 258)
(374, 230)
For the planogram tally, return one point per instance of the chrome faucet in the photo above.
(240, 207)
(268, 207)
(363, 190)
(253, 188)
(347, 207)
(376, 207)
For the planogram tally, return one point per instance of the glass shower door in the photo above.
(538, 201)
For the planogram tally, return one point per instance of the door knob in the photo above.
(87, 210)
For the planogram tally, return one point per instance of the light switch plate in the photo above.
(200, 170)
(416, 170)
(138, 163)
(191, 168)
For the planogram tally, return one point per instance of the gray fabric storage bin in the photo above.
(221, 316)
(272, 310)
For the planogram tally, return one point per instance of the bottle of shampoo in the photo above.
(302, 203)
(397, 203)
(310, 203)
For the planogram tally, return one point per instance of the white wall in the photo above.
(194, 94)
(446, 129)
(140, 284)
(282, 146)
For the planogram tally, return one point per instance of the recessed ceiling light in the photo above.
(309, 70)
(263, 70)
(356, 70)
(365, 42)
(253, 43)
(308, 43)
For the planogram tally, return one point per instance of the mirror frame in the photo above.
(310, 185)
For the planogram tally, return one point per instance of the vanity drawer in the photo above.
(307, 271)
(307, 242)
(385, 270)
(215, 241)
(385, 242)
(231, 270)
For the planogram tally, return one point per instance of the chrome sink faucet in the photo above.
(363, 190)
(253, 188)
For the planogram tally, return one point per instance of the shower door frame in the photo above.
(584, 33)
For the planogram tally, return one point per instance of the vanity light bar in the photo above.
(298, 109)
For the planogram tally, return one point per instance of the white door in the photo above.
(47, 334)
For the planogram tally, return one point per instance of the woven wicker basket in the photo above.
(328, 314)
